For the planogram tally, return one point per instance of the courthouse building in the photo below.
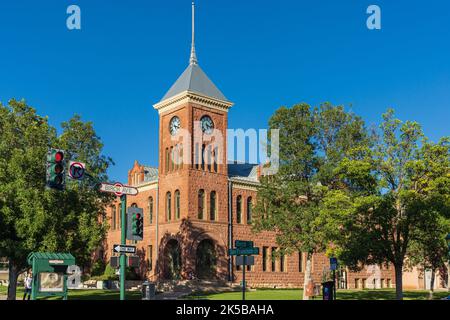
(194, 209)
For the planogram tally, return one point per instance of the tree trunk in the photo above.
(13, 275)
(398, 282)
(307, 275)
(448, 276)
(430, 296)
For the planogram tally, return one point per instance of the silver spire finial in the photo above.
(193, 59)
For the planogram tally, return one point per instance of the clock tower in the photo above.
(193, 174)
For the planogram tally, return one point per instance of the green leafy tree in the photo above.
(392, 193)
(33, 218)
(312, 142)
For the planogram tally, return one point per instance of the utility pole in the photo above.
(123, 241)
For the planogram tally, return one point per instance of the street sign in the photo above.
(76, 170)
(249, 261)
(243, 252)
(118, 189)
(120, 248)
(243, 244)
(333, 264)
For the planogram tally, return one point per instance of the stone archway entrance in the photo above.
(206, 260)
(172, 260)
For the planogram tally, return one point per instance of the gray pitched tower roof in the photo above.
(193, 79)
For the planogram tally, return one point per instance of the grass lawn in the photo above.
(296, 294)
(262, 294)
(85, 294)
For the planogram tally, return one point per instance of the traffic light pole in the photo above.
(123, 241)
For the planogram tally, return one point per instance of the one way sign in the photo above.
(124, 249)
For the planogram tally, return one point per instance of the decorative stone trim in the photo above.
(189, 96)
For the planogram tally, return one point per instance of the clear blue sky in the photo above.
(261, 54)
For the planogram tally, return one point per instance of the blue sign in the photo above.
(333, 264)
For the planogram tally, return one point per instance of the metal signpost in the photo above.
(121, 191)
(243, 252)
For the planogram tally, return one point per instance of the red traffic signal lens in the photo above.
(59, 156)
(138, 216)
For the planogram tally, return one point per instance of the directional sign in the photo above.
(243, 252)
(118, 189)
(121, 248)
(243, 244)
(249, 261)
(76, 170)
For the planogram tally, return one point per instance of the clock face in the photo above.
(174, 125)
(207, 124)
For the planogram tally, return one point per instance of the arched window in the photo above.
(201, 204)
(168, 206)
(239, 209)
(212, 206)
(249, 210)
(150, 209)
(177, 204)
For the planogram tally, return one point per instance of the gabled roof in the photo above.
(243, 171)
(195, 80)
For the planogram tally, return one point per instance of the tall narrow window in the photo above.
(171, 159)
(249, 210)
(201, 204)
(113, 217)
(300, 262)
(177, 204)
(119, 218)
(213, 205)
(168, 206)
(203, 156)
(274, 259)
(215, 155)
(197, 156)
(150, 210)
(150, 258)
(167, 160)
(239, 209)
(264, 257)
(282, 262)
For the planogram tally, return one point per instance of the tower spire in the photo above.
(193, 59)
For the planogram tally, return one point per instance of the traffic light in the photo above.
(56, 172)
(137, 225)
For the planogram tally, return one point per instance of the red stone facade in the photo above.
(186, 234)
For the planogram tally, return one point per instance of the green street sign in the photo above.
(243, 244)
(243, 252)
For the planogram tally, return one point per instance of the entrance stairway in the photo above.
(195, 286)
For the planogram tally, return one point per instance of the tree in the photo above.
(31, 217)
(392, 193)
(428, 249)
(312, 142)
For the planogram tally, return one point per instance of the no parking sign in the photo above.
(76, 170)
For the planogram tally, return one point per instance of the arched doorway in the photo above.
(206, 263)
(172, 260)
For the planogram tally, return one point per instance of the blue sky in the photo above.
(261, 54)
